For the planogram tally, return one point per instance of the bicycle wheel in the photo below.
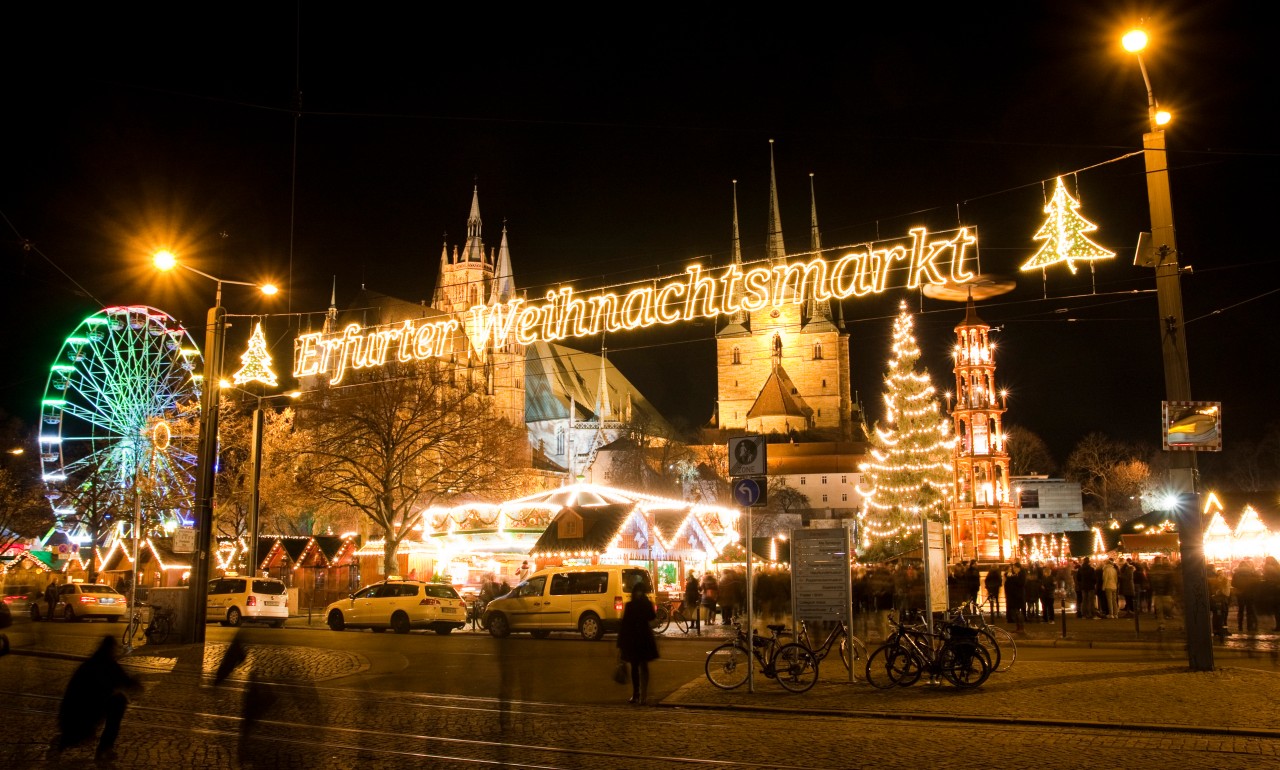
(661, 619)
(964, 664)
(1006, 649)
(853, 654)
(130, 629)
(795, 667)
(158, 631)
(677, 617)
(727, 666)
(877, 672)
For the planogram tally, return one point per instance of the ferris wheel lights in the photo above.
(77, 340)
(55, 477)
(51, 439)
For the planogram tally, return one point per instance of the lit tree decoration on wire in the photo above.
(909, 475)
(256, 361)
(1063, 234)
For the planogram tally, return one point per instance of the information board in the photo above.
(821, 587)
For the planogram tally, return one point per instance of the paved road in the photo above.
(334, 709)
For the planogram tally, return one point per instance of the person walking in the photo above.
(1047, 587)
(1015, 584)
(1126, 586)
(636, 644)
(692, 601)
(50, 598)
(1031, 592)
(972, 582)
(94, 697)
(1244, 584)
(710, 588)
(1087, 581)
(992, 583)
(1111, 588)
(1161, 580)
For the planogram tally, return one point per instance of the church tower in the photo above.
(984, 516)
(473, 277)
(783, 368)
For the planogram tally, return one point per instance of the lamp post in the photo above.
(1177, 378)
(215, 339)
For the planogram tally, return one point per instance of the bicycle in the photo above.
(669, 612)
(853, 653)
(794, 666)
(159, 624)
(1000, 643)
(475, 615)
(913, 650)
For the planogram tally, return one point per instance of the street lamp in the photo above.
(215, 338)
(1163, 256)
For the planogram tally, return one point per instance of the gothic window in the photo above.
(844, 498)
(844, 479)
(824, 498)
(824, 479)
(817, 351)
(802, 481)
(737, 355)
(560, 442)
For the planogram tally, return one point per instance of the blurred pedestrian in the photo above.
(1015, 595)
(710, 588)
(1031, 592)
(1110, 583)
(992, 582)
(731, 597)
(95, 697)
(259, 696)
(1161, 580)
(1048, 586)
(972, 581)
(1126, 586)
(1269, 590)
(636, 644)
(50, 597)
(1244, 584)
(1087, 581)
(692, 600)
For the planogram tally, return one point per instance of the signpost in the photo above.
(748, 458)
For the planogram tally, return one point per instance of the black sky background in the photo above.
(607, 141)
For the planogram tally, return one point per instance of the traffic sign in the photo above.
(750, 493)
(747, 456)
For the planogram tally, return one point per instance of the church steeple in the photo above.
(741, 316)
(439, 297)
(814, 307)
(474, 250)
(504, 285)
(604, 411)
(331, 318)
(775, 250)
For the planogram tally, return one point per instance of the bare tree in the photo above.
(649, 459)
(1028, 454)
(1110, 472)
(403, 437)
(24, 512)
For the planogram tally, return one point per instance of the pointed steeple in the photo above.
(814, 307)
(604, 411)
(775, 250)
(439, 298)
(741, 316)
(504, 284)
(331, 318)
(474, 250)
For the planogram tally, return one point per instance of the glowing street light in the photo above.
(215, 344)
(1163, 256)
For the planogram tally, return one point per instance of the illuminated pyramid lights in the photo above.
(910, 473)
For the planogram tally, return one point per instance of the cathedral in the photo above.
(784, 369)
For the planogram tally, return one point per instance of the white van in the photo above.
(588, 599)
(234, 598)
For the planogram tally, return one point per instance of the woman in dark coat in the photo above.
(636, 644)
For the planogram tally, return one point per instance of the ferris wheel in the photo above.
(121, 408)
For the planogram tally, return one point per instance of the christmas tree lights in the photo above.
(910, 473)
(1063, 233)
(256, 361)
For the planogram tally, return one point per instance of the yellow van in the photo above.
(588, 599)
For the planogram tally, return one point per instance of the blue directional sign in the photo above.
(749, 492)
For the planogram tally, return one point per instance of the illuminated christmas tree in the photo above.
(1063, 234)
(909, 474)
(256, 361)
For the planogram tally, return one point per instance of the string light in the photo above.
(1063, 233)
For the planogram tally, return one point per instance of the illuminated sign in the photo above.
(922, 258)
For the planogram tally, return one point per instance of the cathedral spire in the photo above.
(740, 316)
(775, 250)
(814, 307)
(438, 298)
(331, 318)
(504, 285)
(474, 250)
(603, 409)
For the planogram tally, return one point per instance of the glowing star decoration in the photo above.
(1063, 234)
(256, 361)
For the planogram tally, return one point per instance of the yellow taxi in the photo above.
(81, 601)
(399, 605)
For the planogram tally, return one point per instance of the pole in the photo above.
(255, 479)
(751, 621)
(1177, 382)
(215, 334)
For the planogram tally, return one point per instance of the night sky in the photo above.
(607, 141)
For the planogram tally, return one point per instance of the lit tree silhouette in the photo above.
(1063, 233)
(909, 475)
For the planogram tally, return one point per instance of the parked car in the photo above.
(588, 599)
(399, 605)
(19, 598)
(81, 601)
(233, 599)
